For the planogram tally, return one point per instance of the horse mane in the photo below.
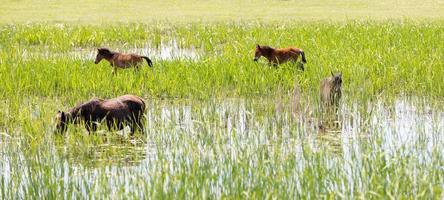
(266, 50)
(106, 52)
(84, 107)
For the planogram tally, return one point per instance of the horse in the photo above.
(121, 60)
(117, 113)
(330, 93)
(330, 90)
(280, 56)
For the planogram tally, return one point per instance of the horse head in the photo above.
(61, 122)
(101, 54)
(257, 53)
(337, 81)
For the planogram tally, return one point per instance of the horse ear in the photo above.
(258, 46)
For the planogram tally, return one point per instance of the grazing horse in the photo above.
(117, 112)
(331, 89)
(120, 60)
(279, 56)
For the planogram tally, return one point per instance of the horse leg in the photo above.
(136, 125)
(294, 60)
(90, 127)
(114, 72)
(136, 67)
(133, 128)
(301, 65)
(114, 124)
(273, 64)
(139, 124)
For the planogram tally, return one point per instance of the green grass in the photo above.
(223, 126)
(185, 11)
(376, 59)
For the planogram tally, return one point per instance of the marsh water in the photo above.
(217, 135)
(218, 148)
(166, 50)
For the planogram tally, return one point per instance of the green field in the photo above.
(219, 125)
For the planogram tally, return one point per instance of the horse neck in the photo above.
(73, 114)
(337, 89)
(110, 57)
(267, 52)
(69, 117)
(86, 108)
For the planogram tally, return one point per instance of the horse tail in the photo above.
(303, 57)
(150, 63)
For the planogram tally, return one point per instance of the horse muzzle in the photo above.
(255, 59)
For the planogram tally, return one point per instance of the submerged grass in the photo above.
(237, 149)
(220, 125)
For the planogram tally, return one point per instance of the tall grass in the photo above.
(221, 125)
(377, 59)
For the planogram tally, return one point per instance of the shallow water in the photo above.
(219, 134)
(167, 50)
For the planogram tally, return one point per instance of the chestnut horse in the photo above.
(279, 56)
(120, 60)
(117, 112)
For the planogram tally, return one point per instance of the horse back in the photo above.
(124, 104)
(129, 56)
(293, 50)
(127, 60)
(88, 110)
(285, 54)
(326, 89)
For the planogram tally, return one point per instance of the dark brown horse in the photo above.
(330, 90)
(121, 60)
(117, 113)
(280, 56)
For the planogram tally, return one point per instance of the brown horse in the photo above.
(117, 112)
(120, 60)
(330, 90)
(280, 56)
